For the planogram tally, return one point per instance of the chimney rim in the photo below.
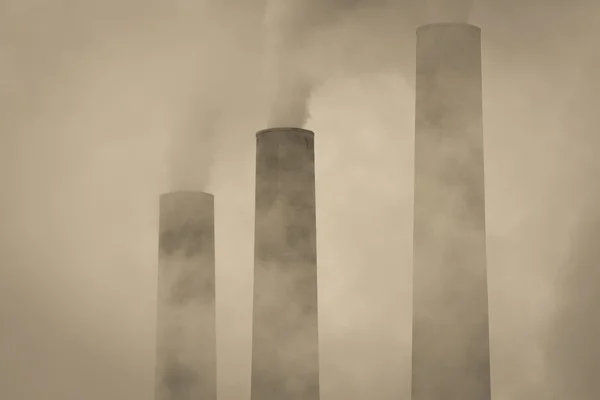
(197, 193)
(447, 24)
(283, 130)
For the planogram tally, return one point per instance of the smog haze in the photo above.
(106, 105)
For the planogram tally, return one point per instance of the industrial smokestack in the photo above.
(285, 357)
(451, 357)
(186, 338)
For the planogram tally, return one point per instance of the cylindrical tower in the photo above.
(186, 337)
(285, 357)
(451, 359)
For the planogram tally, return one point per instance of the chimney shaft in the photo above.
(186, 337)
(450, 309)
(285, 362)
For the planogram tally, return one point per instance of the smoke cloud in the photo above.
(288, 29)
(433, 11)
(287, 86)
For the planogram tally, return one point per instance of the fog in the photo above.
(99, 100)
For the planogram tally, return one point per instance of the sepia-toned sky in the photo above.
(99, 98)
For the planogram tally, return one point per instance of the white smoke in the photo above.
(446, 10)
(287, 87)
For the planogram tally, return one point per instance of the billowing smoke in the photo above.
(446, 10)
(288, 88)
(297, 32)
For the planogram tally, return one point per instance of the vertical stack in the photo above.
(451, 359)
(285, 357)
(186, 338)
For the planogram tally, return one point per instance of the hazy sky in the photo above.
(93, 94)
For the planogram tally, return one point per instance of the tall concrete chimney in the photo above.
(285, 356)
(186, 338)
(451, 359)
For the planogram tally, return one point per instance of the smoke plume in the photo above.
(288, 89)
(446, 10)
(293, 32)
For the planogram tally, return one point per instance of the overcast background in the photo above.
(93, 92)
